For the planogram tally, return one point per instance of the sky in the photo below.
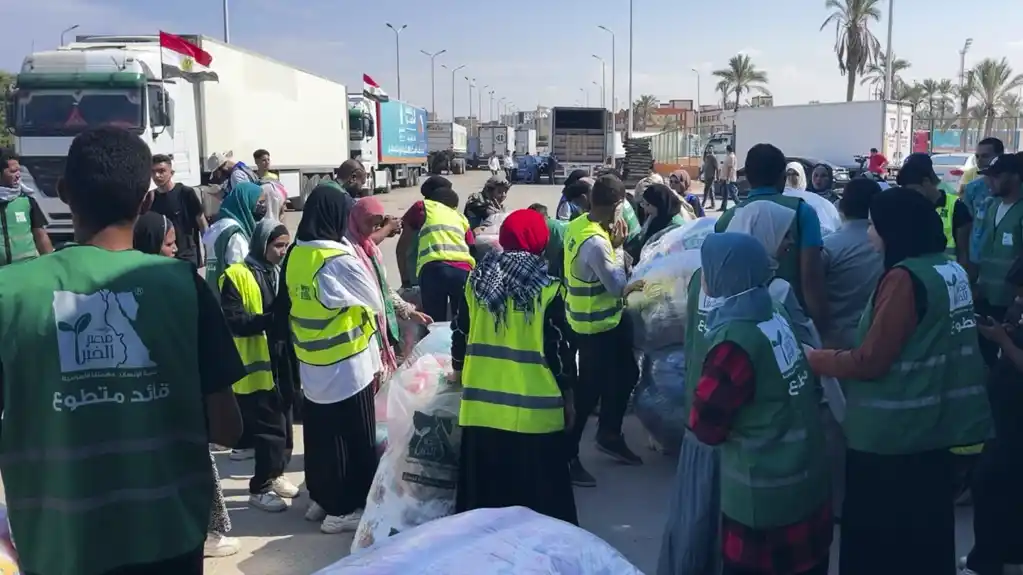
(542, 53)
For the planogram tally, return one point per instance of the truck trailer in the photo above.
(389, 138)
(496, 139)
(449, 142)
(257, 103)
(579, 139)
(525, 141)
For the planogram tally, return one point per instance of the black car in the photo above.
(841, 174)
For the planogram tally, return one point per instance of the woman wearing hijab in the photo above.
(680, 181)
(822, 182)
(247, 293)
(661, 207)
(151, 232)
(755, 400)
(434, 189)
(911, 395)
(517, 374)
(332, 303)
(479, 208)
(227, 240)
(368, 215)
(795, 176)
(154, 234)
(276, 197)
(567, 209)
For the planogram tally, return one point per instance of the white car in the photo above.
(951, 167)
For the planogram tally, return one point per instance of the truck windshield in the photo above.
(579, 120)
(67, 113)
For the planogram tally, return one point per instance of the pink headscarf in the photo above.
(362, 212)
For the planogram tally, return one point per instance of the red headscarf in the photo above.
(524, 231)
(359, 228)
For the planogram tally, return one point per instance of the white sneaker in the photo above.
(268, 501)
(315, 513)
(242, 454)
(341, 523)
(218, 545)
(217, 448)
(281, 486)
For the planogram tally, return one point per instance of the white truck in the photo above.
(525, 141)
(450, 139)
(496, 139)
(831, 132)
(117, 80)
(579, 139)
(389, 137)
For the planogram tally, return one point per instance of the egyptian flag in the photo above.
(373, 90)
(183, 59)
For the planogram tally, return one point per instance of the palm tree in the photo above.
(993, 80)
(643, 109)
(877, 70)
(743, 77)
(931, 91)
(912, 94)
(963, 94)
(725, 89)
(855, 45)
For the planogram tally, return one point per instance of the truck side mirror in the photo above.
(161, 108)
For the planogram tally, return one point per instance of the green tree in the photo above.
(993, 80)
(6, 140)
(643, 111)
(743, 77)
(855, 45)
(875, 72)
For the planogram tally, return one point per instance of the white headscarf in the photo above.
(766, 221)
(798, 168)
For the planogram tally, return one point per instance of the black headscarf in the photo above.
(831, 179)
(575, 176)
(325, 214)
(908, 224)
(667, 203)
(432, 184)
(150, 230)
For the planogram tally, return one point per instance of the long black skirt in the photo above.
(898, 516)
(505, 469)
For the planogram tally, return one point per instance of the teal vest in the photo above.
(17, 226)
(698, 305)
(216, 263)
(788, 263)
(1002, 246)
(104, 450)
(933, 396)
(774, 470)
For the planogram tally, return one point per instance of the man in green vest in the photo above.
(22, 223)
(595, 278)
(803, 265)
(117, 373)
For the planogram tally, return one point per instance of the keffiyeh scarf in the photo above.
(518, 275)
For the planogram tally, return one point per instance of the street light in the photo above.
(227, 24)
(697, 102)
(453, 72)
(597, 85)
(888, 54)
(628, 132)
(75, 27)
(614, 105)
(586, 97)
(603, 80)
(479, 96)
(472, 83)
(962, 61)
(500, 115)
(397, 51)
(433, 82)
(491, 105)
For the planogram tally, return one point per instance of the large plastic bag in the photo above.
(658, 312)
(415, 481)
(659, 399)
(487, 238)
(691, 543)
(507, 541)
(827, 213)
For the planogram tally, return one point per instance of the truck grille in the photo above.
(42, 172)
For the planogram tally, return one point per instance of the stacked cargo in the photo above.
(639, 161)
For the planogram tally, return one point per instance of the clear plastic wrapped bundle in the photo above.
(827, 213)
(487, 238)
(508, 541)
(659, 398)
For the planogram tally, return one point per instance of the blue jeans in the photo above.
(729, 190)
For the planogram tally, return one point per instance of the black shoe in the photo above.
(616, 448)
(580, 477)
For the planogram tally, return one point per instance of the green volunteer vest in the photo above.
(788, 264)
(254, 350)
(217, 262)
(17, 226)
(697, 345)
(506, 382)
(104, 451)
(933, 396)
(1000, 249)
(774, 471)
(631, 222)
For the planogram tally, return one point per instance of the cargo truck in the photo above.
(496, 139)
(389, 138)
(118, 80)
(525, 141)
(579, 139)
(450, 141)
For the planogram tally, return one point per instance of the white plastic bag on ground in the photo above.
(659, 400)
(416, 479)
(827, 213)
(508, 541)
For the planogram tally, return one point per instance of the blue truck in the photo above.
(389, 137)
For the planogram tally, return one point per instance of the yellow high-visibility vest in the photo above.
(321, 335)
(590, 308)
(946, 212)
(442, 237)
(506, 382)
(254, 349)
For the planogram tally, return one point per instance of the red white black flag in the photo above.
(183, 59)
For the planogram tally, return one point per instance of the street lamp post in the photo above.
(472, 83)
(491, 105)
(397, 52)
(614, 106)
(453, 72)
(697, 103)
(596, 84)
(586, 97)
(227, 24)
(962, 61)
(888, 54)
(433, 82)
(75, 27)
(500, 115)
(479, 97)
(603, 80)
(628, 132)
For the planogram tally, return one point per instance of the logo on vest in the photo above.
(21, 219)
(705, 306)
(95, 332)
(787, 352)
(960, 298)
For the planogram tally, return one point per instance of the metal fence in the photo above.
(932, 135)
(676, 146)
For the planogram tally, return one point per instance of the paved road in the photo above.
(627, 509)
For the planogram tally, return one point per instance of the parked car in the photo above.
(951, 167)
(840, 173)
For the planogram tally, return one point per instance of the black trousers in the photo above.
(607, 374)
(441, 285)
(265, 418)
(997, 508)
(340, 452)
(820, 569)
(188, 564)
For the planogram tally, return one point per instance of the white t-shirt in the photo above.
(343, 282)
(494, 163)
(1002, 209)
(730, 171)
